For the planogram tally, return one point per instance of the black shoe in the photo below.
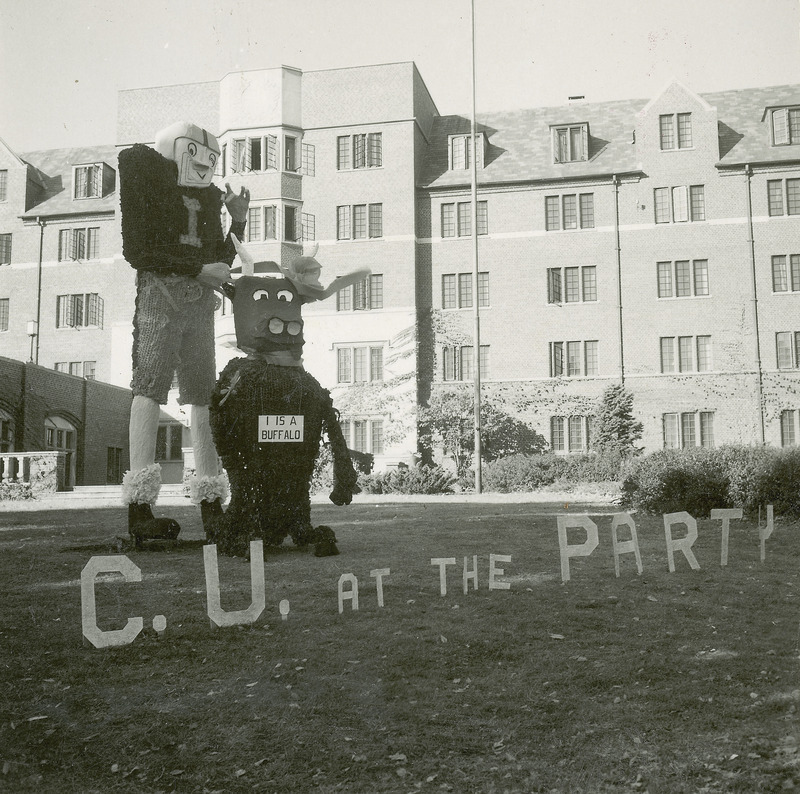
(212, 514)
(142, 525)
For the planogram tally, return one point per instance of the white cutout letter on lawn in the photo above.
(258, 600)
(352, 595)
(765, 532)
(471, 575)
(115, 563)
(681, 544)
(718, 514)
(379, 573)
(443, 562)
(625, 546)
(494, 572)
(582, 550)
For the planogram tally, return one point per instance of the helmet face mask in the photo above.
(193, 149)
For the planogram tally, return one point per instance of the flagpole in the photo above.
(476, 349)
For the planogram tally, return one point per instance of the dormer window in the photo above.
(675, 131)
(785, 126)
(88, 180)
(570, 143)
(459, 146)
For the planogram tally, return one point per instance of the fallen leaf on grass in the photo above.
(240, 772)
(398, 757)
(556, 636)
(39, 717)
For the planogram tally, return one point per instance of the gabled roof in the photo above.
(744, 129)
(54, 169)
(520, 148)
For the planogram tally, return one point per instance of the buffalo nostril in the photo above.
(276, 325)
(294, 327)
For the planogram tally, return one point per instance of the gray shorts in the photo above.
(173, 331)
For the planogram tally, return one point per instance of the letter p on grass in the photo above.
(577, 549)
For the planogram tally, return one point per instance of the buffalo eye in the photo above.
(260, 294)
(285, 295)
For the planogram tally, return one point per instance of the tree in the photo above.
(615, 429)
(448, 422)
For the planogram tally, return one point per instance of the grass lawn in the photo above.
(665, 682)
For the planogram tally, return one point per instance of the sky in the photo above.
(62, 62)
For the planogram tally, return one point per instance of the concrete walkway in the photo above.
(106, 496)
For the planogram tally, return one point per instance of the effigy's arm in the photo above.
(345, 478)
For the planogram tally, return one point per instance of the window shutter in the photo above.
(556, 147)
(554, 285)
(680, 204)
(780, 126)
(309, 159)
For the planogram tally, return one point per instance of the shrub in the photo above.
(15, 491)
(322, 477)
(409, 480)
(519, 473)
(698, 480)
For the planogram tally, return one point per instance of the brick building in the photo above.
(650, 241)
(87, 420)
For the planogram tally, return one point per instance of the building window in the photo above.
(6, 433)
(570, 211)
(270, 222)
(363, 150)
(114, 466)
(569, 433)
(3, 185)
(787, 348)
(77, 244)
(570, 143)
(457, 219)
(291, 232)
(88, 181)
(81, 369)
(783, 193)
(5, 249)
(786, 279)
(683, 278)
(785, 126)
(289, 153)
(675, 131)
(359, 364)
(253, 154)
(572, 284)
(457, 362)
(79, 311)
(169, 440)
(685, 354)
(363, 435)
(788, 427)
(4, 313)
(89, 369)
(574, 359)
(690, 429)
(363, 296)
(309, 226)
(679, 204)
(457, 290)
(254, 230)
(308, 165)
(459, 152)
(359, 221)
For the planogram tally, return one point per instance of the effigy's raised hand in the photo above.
(237, 203)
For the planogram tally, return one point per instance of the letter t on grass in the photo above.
(443, 562)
